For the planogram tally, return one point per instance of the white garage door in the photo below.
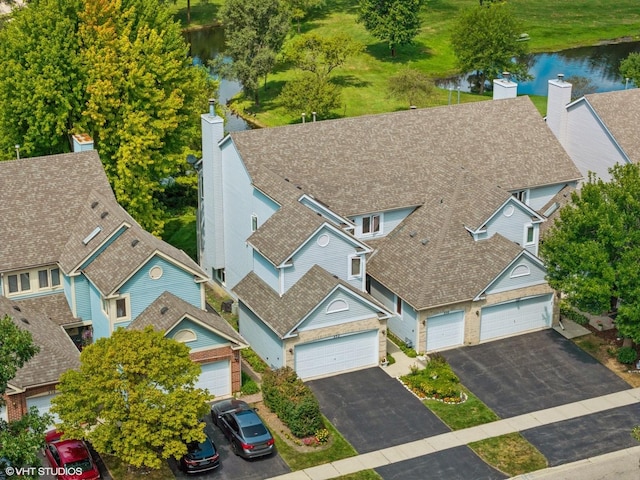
(516, 317)
(445, 330)
(334, 355)
(43, 404)
(3, 413)
(216, 377)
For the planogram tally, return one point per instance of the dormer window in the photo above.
(33, 281)
(521, 195)
(370, 224)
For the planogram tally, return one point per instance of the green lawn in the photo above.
(180, 231)
(511, 454)
(463, 415)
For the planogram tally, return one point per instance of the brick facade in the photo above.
(218, 354)
(16, 403)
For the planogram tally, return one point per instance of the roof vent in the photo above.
(94, 204)
(425, 241)
(92, 235)
(561, 77)
(134, 242)
(104, 215)
(212, 107)
(24, 320)
(164, 310)
(17, 308)
(413, 234)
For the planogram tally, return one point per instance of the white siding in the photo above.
(262, 339)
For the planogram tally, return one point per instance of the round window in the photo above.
(323, 240)
(508, 210)
(155, 273)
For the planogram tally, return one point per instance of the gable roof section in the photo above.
(432, 260)
(54, 306)
(57, 352)
(382, 162)
(620, 113)
(38, 195)
(283, 313)
(168, 310)
(535, 216)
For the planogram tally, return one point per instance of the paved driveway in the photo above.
(531, 372)
(373, 410)
(233, 467)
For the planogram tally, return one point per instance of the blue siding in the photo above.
(101, 326)
(511, 227)
(403, 326)
(382, 294)
(261, 338)
(266, 271)
(83, 297)
(204, 337)
(319, 318)
(334, 258)
(539, 197)
(143, 290)
(506, 282)
(103, 247)
(66, 285)
(388, 221)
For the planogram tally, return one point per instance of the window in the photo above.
(530, 235)
(355, 266)
(254, 222)
(25, 282)
(155, 273)
(43, 278)
(371, 224)
(520, 271)
(121, 308)
(323, 240)
(185, 335)
(220, 275)
(13, 283)
(55, 277)
(337, 306)
(47, 279)
(521, 195)
(398, 305)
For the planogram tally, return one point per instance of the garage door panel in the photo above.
(445, 331)
(4, 415)
(43, 404)
(337, 354)
(216, 377)
(515, 317)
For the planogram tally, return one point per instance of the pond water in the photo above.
(205, 44)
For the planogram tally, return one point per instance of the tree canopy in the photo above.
(395, 22)
(412, 86)
(134, 397)
(21, 439)
(630, 68)
(592, 251)
(115, 69)
(254, 33)
(299, 9)
(486, 39)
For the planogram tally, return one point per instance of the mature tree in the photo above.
(20, 440)
(115, 69)
(395, 22)
(487, 39)
(317, 57)
(412, 86)
(299, 9)
(581, 86)
(133, 397)
(592, 251)
(254, 33)
(630, 68)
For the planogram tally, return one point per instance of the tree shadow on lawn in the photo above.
(349, 80)
(404, 54)
(203, 14)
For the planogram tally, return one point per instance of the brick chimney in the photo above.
(504, 87)
(558, 97)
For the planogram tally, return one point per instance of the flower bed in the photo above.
(436, 381)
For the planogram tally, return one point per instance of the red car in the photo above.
(70, 459)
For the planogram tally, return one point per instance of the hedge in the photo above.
(292, 401)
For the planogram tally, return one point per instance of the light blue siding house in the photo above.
(77, 257)
(424, 218)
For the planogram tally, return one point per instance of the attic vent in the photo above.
(92, 235)
(298, 187)
(134, 242)
(104, 215)
(441, 200)
(425, 241)
(413, 234)
(24, 320)
(94, 204)
(17, 308)
(164, 310)
(286, 179)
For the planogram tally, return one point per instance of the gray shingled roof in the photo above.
(432, 260)
(562, 198)
(39, 201)
(282, 313)
(381, 162)
(57, 352)
(54, 306)
(167, 310)
(620, 112)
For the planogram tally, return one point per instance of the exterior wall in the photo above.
(506, 282)
(589, 145)
(100, 321)
(144, 290)
(513, 226)
(34, 284)
(319, 318)
(261, 338)
(388, 221)
(266, 271)
(352, 327)
(469, 317)
(539, 197)
(67, 285)
(334, 258)
(205, 338)
(81, 288)
(17, 403)
(403, 326)
(222, 353)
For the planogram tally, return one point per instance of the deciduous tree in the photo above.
(254, 31)
(592, 251)
(134, 397)
(630, 68)
(21, 439)
(487, 39)
(395, 22)
(412, 86)
(300, 9)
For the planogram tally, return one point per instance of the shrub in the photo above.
(627, 355)
(249, 386)
(252, 358)
(292, 401)
(567, 311)
(322, 435)
(436, 380)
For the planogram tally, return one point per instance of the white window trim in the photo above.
(34, 281)
(344, 306)
(535, 235)
(350, 265)
(522, 196)
(525, 268)
(371, 217)
(185, 332)
(127, 303)
(156, 268)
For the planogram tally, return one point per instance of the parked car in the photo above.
(242, 426)
(202, 456)
(70, 458)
